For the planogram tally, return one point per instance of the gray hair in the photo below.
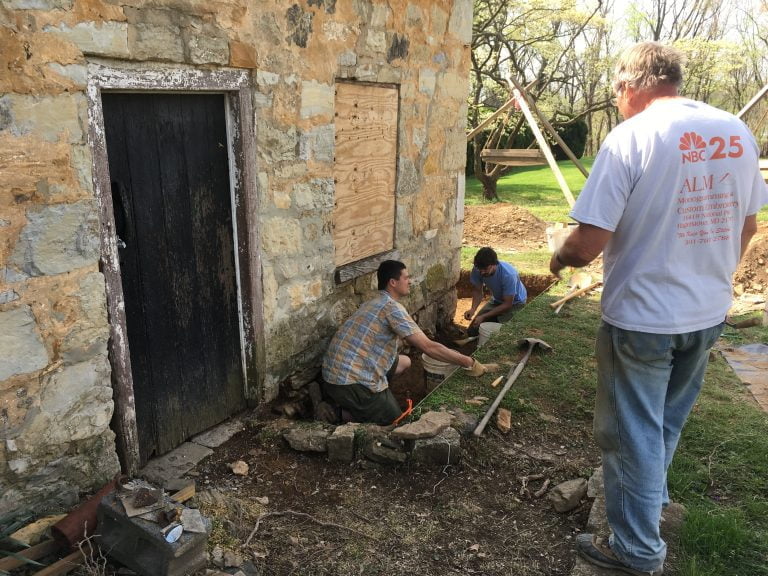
(647, 65)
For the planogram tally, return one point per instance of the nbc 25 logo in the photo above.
(696, 149)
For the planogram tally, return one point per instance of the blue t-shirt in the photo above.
(504, 282)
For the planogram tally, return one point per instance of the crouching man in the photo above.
(362, 355)
(508, 294)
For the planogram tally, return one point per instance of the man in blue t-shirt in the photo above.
(508, 293)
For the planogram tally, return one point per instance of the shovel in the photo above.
(577, 281)
(531, 343)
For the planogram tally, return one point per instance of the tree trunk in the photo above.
(489, 187)
(488, 182)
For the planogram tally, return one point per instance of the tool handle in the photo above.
(578, 292)
(500, 396)
(748, 323)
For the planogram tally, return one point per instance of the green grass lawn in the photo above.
(720, 471)
(536, 188)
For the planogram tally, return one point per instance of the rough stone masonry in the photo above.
(56, 391)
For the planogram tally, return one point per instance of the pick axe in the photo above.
(531, 343)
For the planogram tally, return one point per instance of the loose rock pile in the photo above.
(432, 440)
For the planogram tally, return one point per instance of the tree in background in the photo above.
(565, 52)
(531, 40)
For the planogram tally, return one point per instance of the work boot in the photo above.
(597, 551)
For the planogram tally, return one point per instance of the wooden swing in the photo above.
(501, 157)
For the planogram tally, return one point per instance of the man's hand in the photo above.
(478, 369)
(468, 314)
(556, 265)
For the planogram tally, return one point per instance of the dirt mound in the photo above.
(752, 273)
(503, 227)
(510, 228)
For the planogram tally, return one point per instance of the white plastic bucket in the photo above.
(435, 371)
(487, 329)
(557, 234)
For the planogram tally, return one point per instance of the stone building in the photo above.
(193, 196)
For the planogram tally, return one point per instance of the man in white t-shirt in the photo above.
(671, 202)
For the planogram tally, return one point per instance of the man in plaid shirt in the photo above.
(362, 356)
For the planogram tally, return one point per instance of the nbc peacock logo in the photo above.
(692, 146)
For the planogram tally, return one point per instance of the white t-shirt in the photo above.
(674, 184)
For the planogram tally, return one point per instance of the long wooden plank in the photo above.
(32, 553)
(63, 566)
(550, 128)
(755, 99)
(534, 153)
(523, 103)
(513, 157)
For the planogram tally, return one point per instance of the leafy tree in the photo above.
(533, 40)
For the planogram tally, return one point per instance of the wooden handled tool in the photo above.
(530, 343)
(578, 292)
(748, 323)
(576, 281)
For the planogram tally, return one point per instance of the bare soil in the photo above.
(482, 516)
(298, 513)
(752, 273)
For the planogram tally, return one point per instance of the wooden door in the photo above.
(168, 166)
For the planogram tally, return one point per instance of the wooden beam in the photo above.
(491, 118)
(755, 99)
(355, 269)
(522, 102)
(551, 130)
(514, 156)
(32, 553)
(63, 566)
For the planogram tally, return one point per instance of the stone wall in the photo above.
(55, 391)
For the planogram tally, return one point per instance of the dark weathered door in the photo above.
(168, 165)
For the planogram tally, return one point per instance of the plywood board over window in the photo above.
(365, 170)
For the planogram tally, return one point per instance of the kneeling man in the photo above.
(363, 356)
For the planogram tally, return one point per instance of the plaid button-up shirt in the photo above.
(365, 347)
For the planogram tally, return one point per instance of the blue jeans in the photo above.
(647, 385)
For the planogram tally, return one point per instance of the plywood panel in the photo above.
(365, 170)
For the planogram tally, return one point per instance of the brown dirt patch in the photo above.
(478, 517)
(752, 273)
(504, 227)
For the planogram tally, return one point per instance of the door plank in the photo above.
(168, 155)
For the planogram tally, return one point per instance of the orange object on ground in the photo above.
(405, 413)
